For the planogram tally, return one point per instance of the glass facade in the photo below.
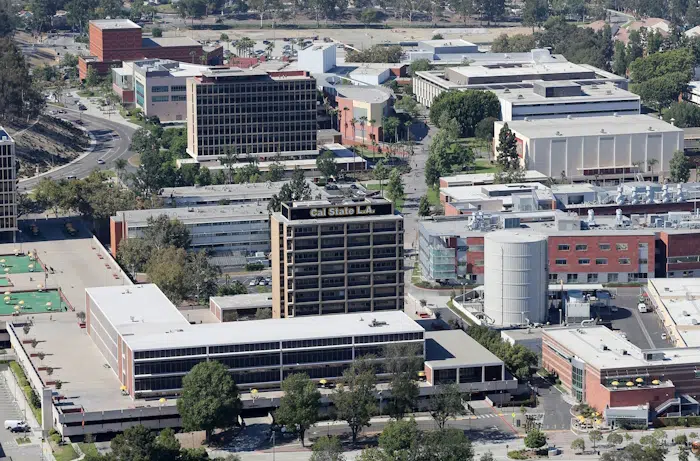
(577, 379)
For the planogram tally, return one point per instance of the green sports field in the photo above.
(18, 264)
(33, 302)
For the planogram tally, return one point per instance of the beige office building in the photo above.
(334, 258)
(8, 187)
(251, 112)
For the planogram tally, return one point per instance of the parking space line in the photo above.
(636, 315)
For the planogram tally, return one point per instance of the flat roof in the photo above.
(4, 134)
(369, 94)
(248, 301)
(455, 348)
(481, 192)
(318, 46)
(233, 192)
(142, 305)
(446, 42)
(217, 213)
(165, 42)
(481, 178)
(603, 92)
(680, 298)
(589, 126)
(547, 68)
(587, 344)
(106, 24)
(270, 330)
(523, 334)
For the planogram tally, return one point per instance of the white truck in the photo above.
(642, 307)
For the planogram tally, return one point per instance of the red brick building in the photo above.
(598, 367)
(115, 40)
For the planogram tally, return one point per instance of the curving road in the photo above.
(112, 142)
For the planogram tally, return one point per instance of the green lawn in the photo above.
(434, 196)
(483, 166)
(32, 302)
(65, 453)
(371, 186)
(19, 264)
(88, 448)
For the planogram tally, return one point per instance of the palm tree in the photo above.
(353, 122)
(363, 121)
(345, 116)
(651, 163)
(203, 58)
(192, 55)
(229, 160)
(120, 166)
(269, 48)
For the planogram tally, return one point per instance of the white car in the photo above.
(253, 283)
(11, 424)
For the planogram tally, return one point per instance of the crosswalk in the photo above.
(488, 415)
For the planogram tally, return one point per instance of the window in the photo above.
(581, 247)
(601, 261)
(159, 98)
(159, 89)
(553, 277)
(178, 97)
(178, 88)
(621, 247)
(624, 261)
(571, 278)
(563, 247)
(612, 278)
(476, 248)
(604, 246)
(643, 261)
(592, 278)
(643, 246)
(584, 261)
(560, 262)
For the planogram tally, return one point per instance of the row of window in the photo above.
(164, 88)
(598, 261)
(601, 246)
(612, 277)
(173, 98)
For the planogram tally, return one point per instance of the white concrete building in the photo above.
(158, 86)
(497, 71)
(240, 228)
(560, 99)
(595, 147)
(317, 58)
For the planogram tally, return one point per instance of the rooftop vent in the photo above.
(377, 323)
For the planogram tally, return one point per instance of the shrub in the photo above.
(254, 266)
(517, 454)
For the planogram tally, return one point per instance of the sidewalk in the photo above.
(94, 110)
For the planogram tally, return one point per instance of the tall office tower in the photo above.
(8, 187)
(332, 258)
(249, 112)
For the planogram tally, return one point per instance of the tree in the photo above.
(299, 405)
(296, 189)
(535, 439)
(419, 65)
(683, 453)
(636, 452)
(20, 97)
(679, 167)
(446, 403)
(507, 151)
(26, 328)
(135, 443)
(518, 43)
(579, 445)
(595, 436)
(400, 438)
(327, 449)
(157, 32)
(620, 61)
(468, 107)
(120, 166)
(263, 8)
(683, 114)
(535, 13)
(354, 398)
(263, 313)
(488, 456)
(275, 172)
(133, 254)
(203, 276)
(680, 439)
(162, 232)
(369, 15)
(614, 439)
(394, 188)
(445, 445)
(167, 269)
(380, 173)
(424, 206)
(408, 105)
(209, 398)
(325, 163)
(484, 129)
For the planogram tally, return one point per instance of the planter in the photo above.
(50, 383)
(41, 368)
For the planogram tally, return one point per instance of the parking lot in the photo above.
(642, 329)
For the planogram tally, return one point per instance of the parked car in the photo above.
(82, 107)
(11, 423)
(100, 161)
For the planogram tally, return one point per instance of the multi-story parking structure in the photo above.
(332, 258)
(251, 113)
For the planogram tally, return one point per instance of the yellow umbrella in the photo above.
(21, 302)
(162, 400)
(48, 303)
(323, 382)
(581, 418)
(629, 384)
(7, 293)
(421, 374)
(7, 298)
(40, 286)
(2, 261)
(123, 388)
(656, 382)
(7, 269)
(639, 380)
(615, 383)
(253, 392)
(16, 308)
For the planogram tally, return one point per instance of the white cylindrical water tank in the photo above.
(515, 277)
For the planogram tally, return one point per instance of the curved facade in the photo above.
(515, 278)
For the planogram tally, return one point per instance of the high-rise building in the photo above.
(8, 188)
(249, 112)
(333, 258)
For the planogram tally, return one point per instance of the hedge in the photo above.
(32, 398)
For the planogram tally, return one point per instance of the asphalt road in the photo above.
(112, 142)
